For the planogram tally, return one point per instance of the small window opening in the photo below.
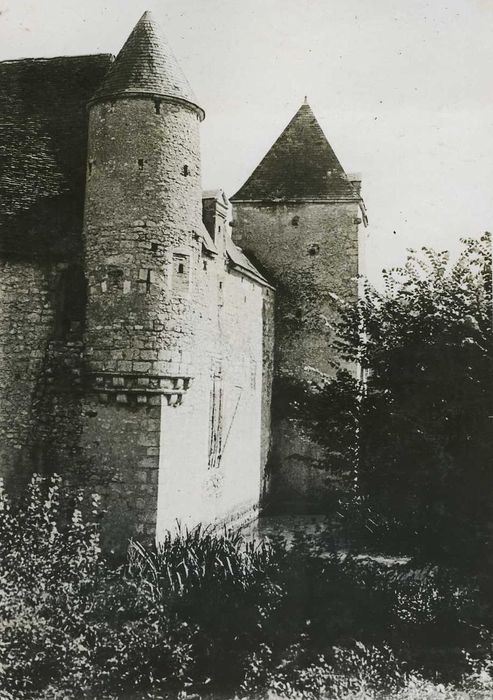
(186, 170)
(157, 105)
(220, 285)
(219, 229)
(313, 249)
(141, 163)
(148, 282)
(205, 264)
(115, 277)
(181, 272)
(295, 221)
(154, 247)
(90, 167)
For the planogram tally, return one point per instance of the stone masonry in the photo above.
(300, 203)
(138, 342)
(135, 347)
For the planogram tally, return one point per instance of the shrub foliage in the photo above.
(213, 615)
(416, 430)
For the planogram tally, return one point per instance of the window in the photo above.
(253, 374)
(295, 221)
(141, 163)
(186, 170)
(181, 273)
(216, 420)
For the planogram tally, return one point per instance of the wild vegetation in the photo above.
(414, 435)
(209, 615)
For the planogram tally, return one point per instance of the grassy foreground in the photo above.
(209, 616)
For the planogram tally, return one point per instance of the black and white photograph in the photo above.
(246, 350)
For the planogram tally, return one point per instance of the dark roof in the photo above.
(217, 195)
(146, 65)
(207, 242)
(43, 151)
(239, 260)
(301, 165)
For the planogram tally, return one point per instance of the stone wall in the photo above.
(175, 393)
(214, 446)
(142, 248)
(310, 252)
(26, 325)
(144, 374)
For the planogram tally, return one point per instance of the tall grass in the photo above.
(214, 615)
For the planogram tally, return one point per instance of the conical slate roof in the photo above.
(146, 66)
(301, 165)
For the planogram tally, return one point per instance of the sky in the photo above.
(402, 89)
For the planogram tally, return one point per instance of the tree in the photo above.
(423, 416)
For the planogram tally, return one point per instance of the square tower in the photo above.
(297, 217)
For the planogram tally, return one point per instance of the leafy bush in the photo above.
(416, 433)
(206, 614)
(48, 574)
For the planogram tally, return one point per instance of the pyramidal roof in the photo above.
(147, 66)
(301, 165)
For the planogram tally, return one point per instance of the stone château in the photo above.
(139, 338)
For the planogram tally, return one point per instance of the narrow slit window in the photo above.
(181, 273)
(141, 163)
(186, 170)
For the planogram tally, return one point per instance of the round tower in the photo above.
(142, 240)
(142, 212)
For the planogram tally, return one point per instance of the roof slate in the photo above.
(146, 65)
(43, 150)
(301, 165)
(238, 259)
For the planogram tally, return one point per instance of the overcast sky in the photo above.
(402, 89)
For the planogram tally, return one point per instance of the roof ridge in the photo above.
(41, 59)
